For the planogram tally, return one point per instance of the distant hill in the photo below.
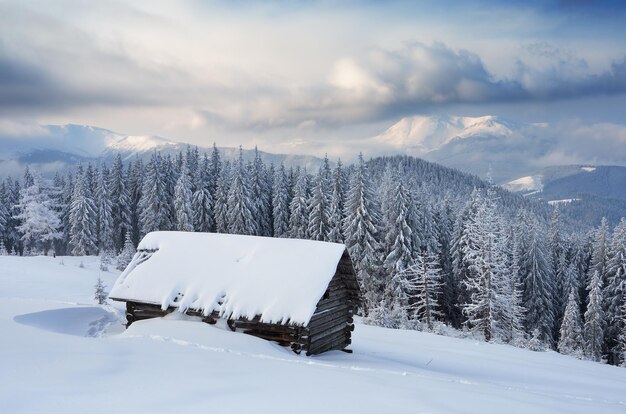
(589, 191)
(56, 147)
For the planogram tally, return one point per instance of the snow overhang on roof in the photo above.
(280, 280)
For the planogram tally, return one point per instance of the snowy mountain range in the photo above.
(519, 156)
(53, 147)
(471, 144)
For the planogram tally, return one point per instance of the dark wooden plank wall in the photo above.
(332, 323)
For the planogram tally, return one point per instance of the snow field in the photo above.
(61, 353)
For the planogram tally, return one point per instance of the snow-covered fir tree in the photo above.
(29, 179)
(512, 312)
(4, 212)
(621, 344)
(336, 209)
(127, 253)
(361, 222)
(444, 219)
(241, 214)
(299, 207)
(120, 202)
(221, 199)
(182, 200)
(570, 337)
(594, 319)
(599, 249)
(261, 195)
(104, 206)
(100, 294)
(538, 283)
(399, 249)
(153, 206)
(319, 205)
(615, 291)
(427, 288)
(215, 170)
(83, 217)
(486, 261)
(280, 203)
(536, 343)
(202, 199)
(39, 222)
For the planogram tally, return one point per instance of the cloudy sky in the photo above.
(308, 76)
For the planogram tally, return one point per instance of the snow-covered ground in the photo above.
(61, 353)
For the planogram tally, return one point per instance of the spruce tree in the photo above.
(360, 229)
(241, 205)
(105, 209)
(599, 249)
(594, 319)
(510, 327)
(100, 294)
(29, 179)
(261, 193)
(221, 199)
(622, 337)
(571, 339)
(615, 290)
(182, 200)
(153, 205)
(299, 207)
(398, 238)
(215, 171)
(450, 286)
(538, 283)
(4, 213)
(280, 203)
(83, 217)
(127, 253)
(170, 178)
(319, 206)
(135, 173)
(202, 200)
(66, 196)
(120, 202)
(428, 288)
(335, 219)
(39, 222)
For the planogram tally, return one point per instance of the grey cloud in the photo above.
(23, 85)
(421, 76)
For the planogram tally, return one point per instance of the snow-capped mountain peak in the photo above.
(423, 134)
(139, 143)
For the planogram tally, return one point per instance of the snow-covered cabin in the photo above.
(301, 293)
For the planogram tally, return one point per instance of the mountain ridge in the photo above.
(64, 145)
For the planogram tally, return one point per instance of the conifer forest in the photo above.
(434, 249)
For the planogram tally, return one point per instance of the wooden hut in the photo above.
(299, 293)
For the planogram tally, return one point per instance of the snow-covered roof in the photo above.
(240, 276)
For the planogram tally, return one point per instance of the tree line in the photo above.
(432, 247)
